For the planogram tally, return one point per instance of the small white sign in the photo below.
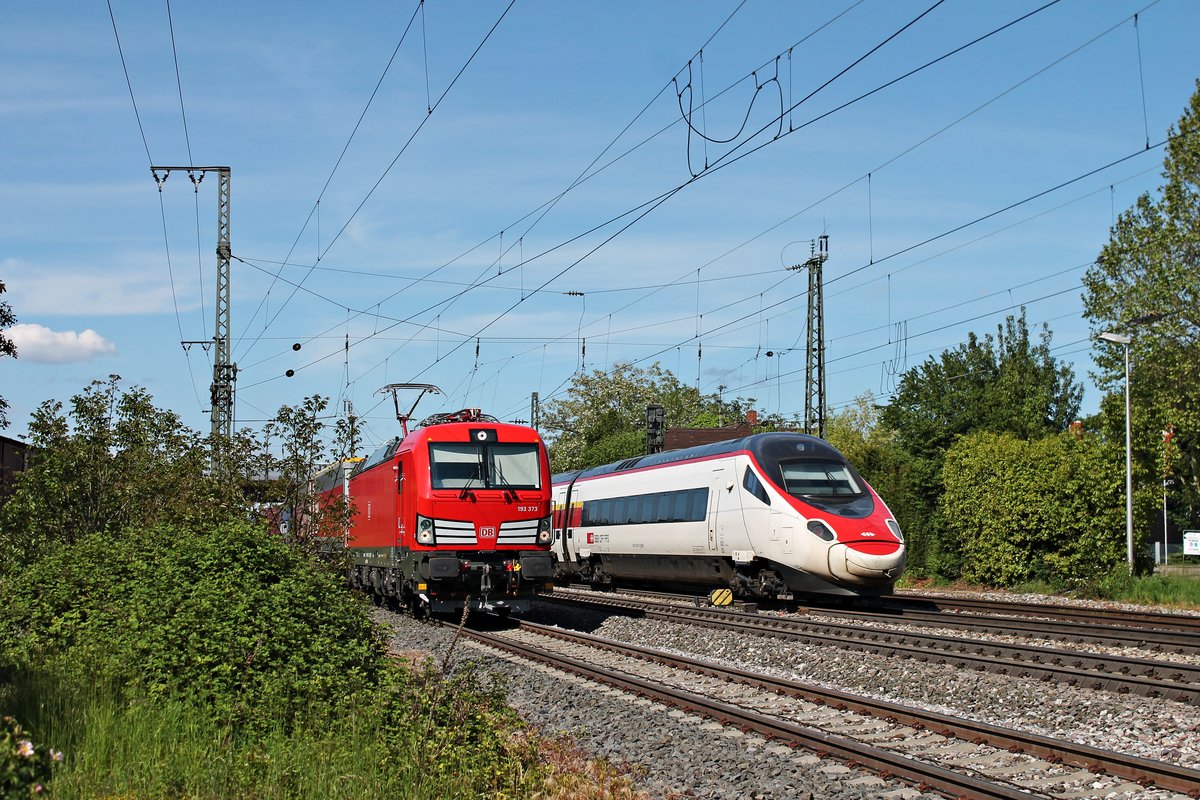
(1191, 543)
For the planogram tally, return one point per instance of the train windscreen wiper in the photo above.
(466, 490)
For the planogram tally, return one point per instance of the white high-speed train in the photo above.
(768, 515)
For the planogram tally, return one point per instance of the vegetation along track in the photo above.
(952, 756)
(1150, 678)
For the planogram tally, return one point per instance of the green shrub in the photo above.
(232, 621)
(1045, 510)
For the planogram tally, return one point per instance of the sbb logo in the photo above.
(487, 533)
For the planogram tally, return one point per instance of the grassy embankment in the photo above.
(166, 663)
(1171, 590)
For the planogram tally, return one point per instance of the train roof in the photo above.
(763, 446)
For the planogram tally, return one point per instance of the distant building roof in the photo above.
(679, 438)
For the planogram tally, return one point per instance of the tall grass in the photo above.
(117, 749)
(1178, 591)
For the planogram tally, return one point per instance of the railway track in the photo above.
(1146, 620)
(1078, 632)
(1150, 678)
(1152, 631)
(950, 755)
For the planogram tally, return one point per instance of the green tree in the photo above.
(114, 461)
(298, 431)
(1004, 384)
(1146, 284)
(603, 416)
(7, 348)
(1046, 509)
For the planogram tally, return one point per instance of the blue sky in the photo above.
(438, 230)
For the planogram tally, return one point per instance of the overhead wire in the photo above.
(403, 150)
(650, 205)
(315, 210)
(162, 207)
(897, 253)
(587, 173)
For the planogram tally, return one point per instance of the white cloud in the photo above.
(41, 345)
(140, 287)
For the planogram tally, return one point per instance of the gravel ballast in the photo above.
(671, 754)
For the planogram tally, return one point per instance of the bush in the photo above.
(24, 768)
(1022, 511)
(233, 621)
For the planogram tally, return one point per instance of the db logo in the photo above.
(868, 533)
(487, 533)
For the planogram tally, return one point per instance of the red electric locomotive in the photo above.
(455, 512)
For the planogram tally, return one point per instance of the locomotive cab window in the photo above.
(484, 466)
(829, 485)
(514, 466)
(811, 478)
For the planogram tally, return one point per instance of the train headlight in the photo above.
(424, 530)
(894, 527)
(544, 533)
(821, 529)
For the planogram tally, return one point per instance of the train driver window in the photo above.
(455, 466)
(399, 479)
(817, 478)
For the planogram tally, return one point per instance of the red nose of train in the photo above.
(867, 559)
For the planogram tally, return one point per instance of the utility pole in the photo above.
(535, 411)
(351, 429)
(224, 371)
(814, 361)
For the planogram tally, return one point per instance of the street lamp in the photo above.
(1122, 339)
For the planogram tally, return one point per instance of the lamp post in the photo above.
(1123, 339)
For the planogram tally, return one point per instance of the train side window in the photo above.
(620, 511)
(679, 505)
(754, 486)
(698, 508)
(399, 479)
(635, 505)
(662, 507)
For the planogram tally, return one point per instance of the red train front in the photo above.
(455, 512)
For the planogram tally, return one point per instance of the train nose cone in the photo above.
(866, 562)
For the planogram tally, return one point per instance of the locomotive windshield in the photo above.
(484, 466)
(829, 485)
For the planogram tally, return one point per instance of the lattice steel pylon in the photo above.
(224, 371)
(814, 361)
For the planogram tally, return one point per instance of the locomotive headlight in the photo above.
(544, 532)
(424, 530)
(821, 529)
(894, 527)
